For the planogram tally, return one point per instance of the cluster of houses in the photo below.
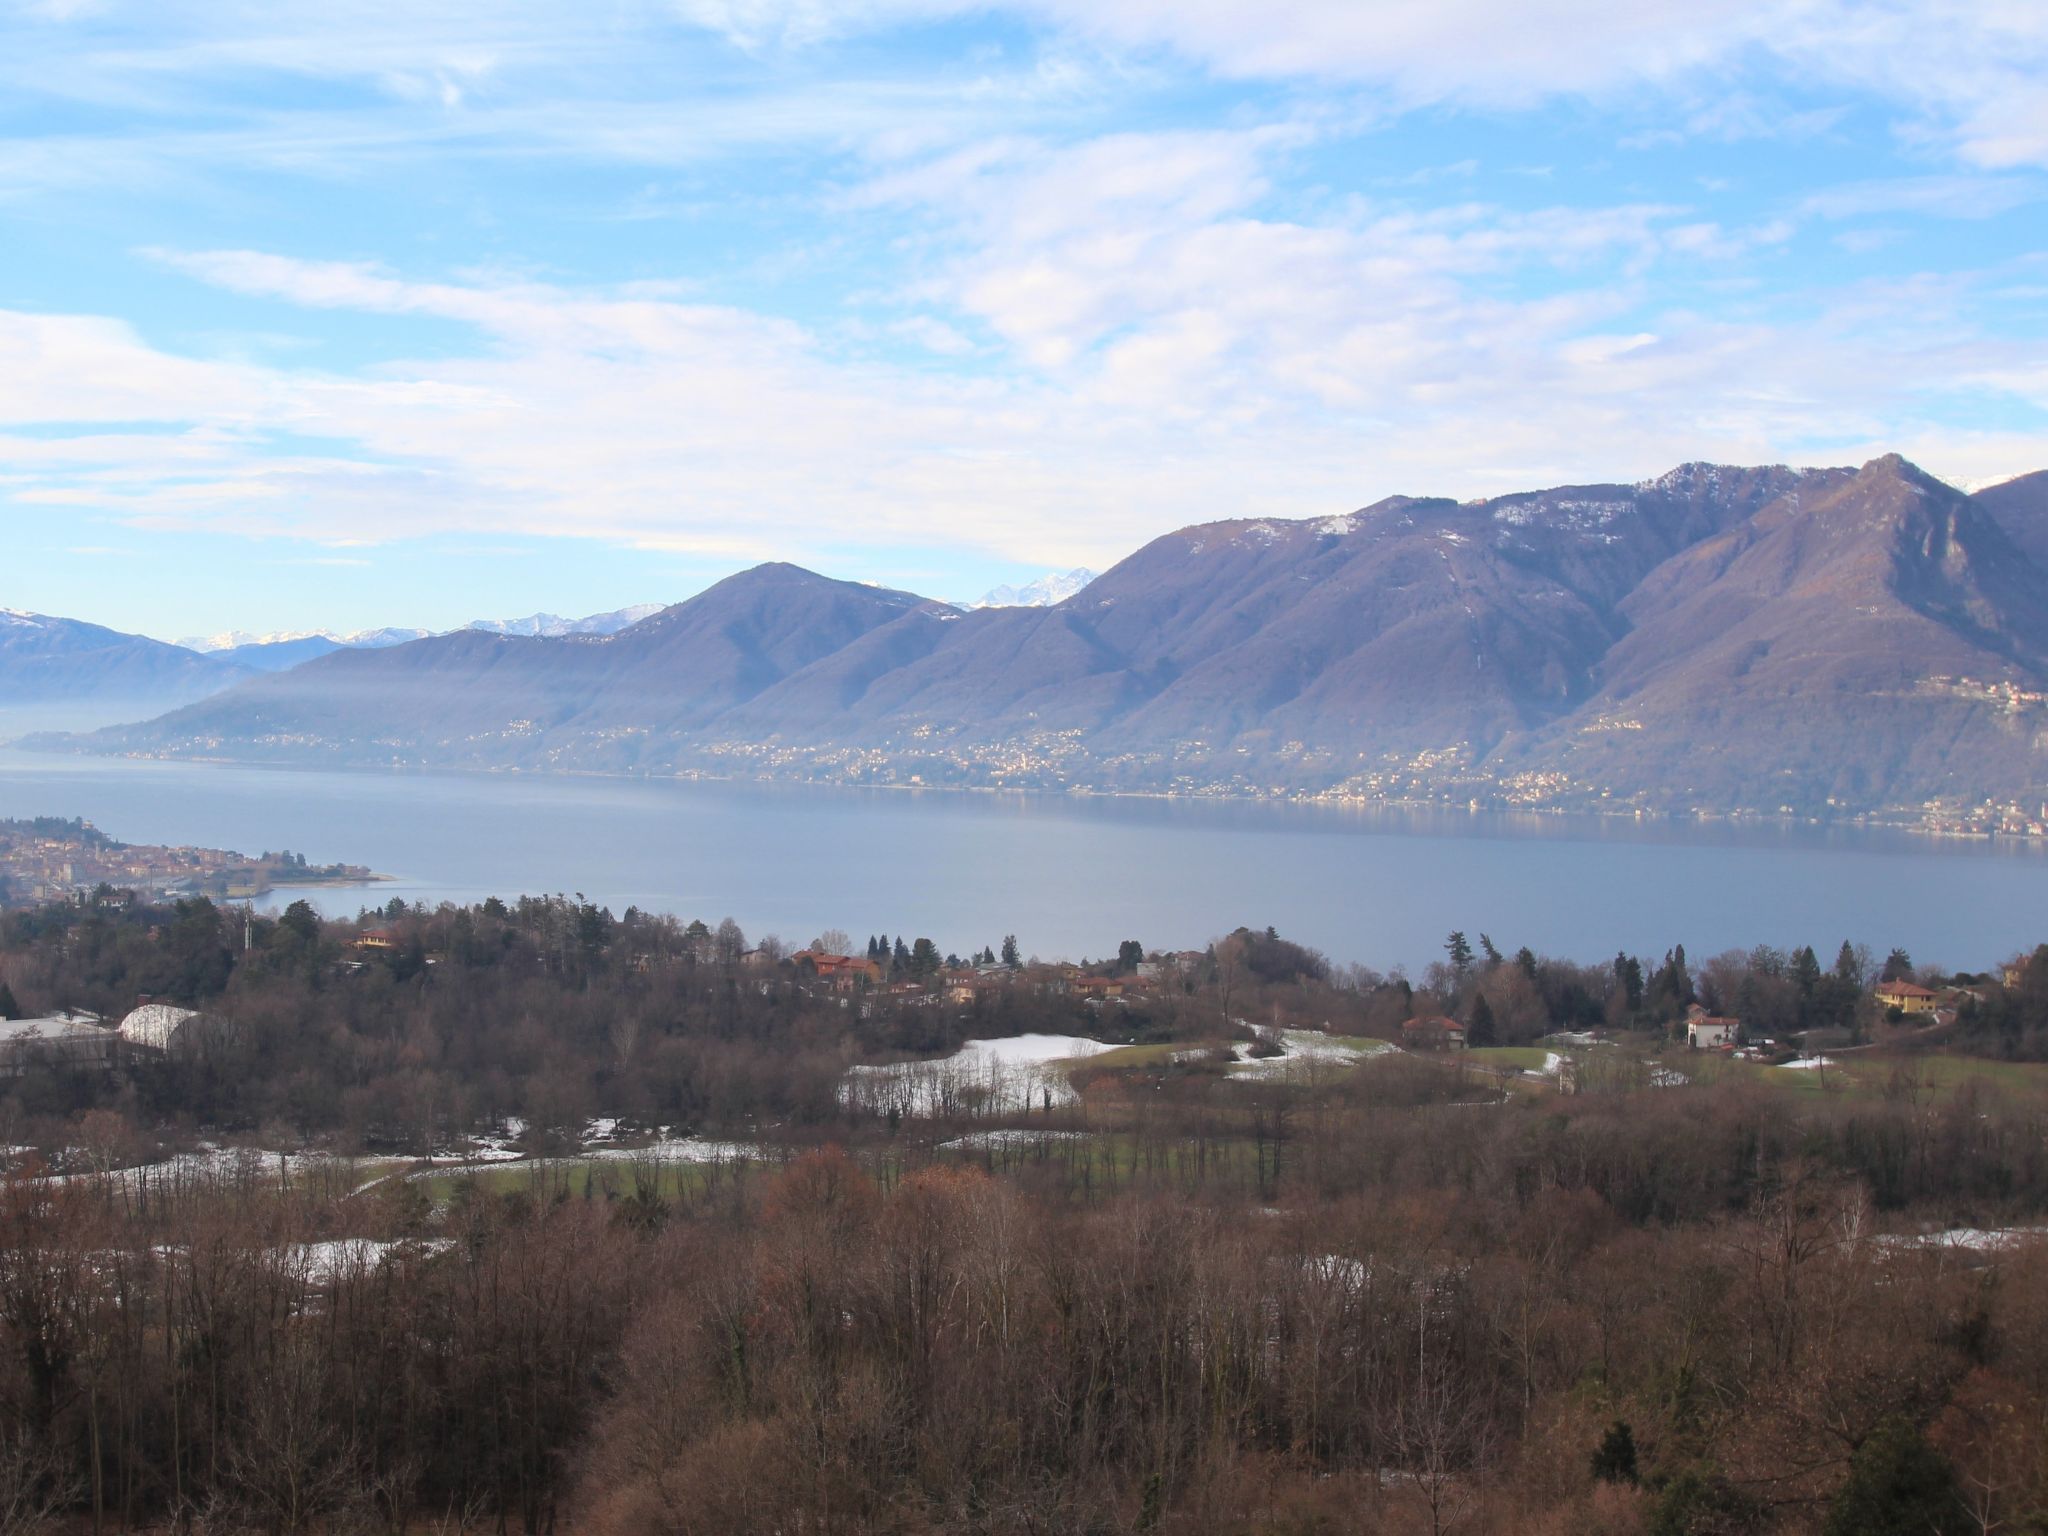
(1910, 1001)
(70, 863)
(1706, 1031)
(963, 984)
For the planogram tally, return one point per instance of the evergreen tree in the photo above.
(1898, 1484)
(901, 954)
(1898, 966)
(1805, 970)
(1128, 954)
(1460, 953)
(1847, 967)
(1628, 975)
(1010, 956)
(1479, 1029)
(1493, 956)
(1614, 1461)
(1703, 1503)
(9, 1008)
(302, 923)
(1525, 959)
(923, 958)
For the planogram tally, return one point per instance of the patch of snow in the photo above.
(1338, 527)
(986, 1141)
(209, 1164)
(1665, 1077)
(681, 1149)
(1809, 1063)
(1304, 1048)
(318, 1263)
(1968, 1239)
(1049, 590)
(1350, 1274)
(1004, 1076)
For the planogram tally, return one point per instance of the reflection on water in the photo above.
(1074, 875)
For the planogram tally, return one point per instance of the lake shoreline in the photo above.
(1922, 827)
(1376, 883)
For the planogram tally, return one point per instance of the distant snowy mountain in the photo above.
(552, 626)
(234, 639)
(380, 639)
(267, 652)
(1045, 592)
(244, 640)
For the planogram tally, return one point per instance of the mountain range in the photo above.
(1042, 593)
(1822, 641)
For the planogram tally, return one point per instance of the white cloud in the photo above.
(1115, 331)
(1973, 72)
(1240, 368)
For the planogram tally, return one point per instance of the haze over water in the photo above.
(1070, 877)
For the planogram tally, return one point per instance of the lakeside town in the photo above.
(50, 858)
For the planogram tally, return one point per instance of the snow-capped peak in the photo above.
(1046, 592)
(232, 639)
(552, 626)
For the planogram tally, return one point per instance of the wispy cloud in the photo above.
(1033, 279)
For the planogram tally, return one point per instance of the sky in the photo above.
(358, 313)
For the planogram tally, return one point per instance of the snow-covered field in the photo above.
(679, 1149)
(208, 1164)
(992, 1141)
(1007, 1077)
(1968, 1239)
(1305, 1050)
(318, 1263)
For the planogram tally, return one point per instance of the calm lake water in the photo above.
(1072, 877)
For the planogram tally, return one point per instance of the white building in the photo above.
(1704, 1032)
(61, 1039)
(155, 1024)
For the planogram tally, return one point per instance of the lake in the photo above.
(1073, 876)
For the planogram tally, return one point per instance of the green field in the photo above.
(1879, 1074)
(1528, 1058)
(574, 1177)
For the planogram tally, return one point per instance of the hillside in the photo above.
(55, 669)
(1826, 640)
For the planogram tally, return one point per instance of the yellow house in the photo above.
(1905, 996)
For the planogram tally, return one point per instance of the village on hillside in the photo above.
(49, 858)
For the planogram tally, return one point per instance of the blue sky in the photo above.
(358, 313)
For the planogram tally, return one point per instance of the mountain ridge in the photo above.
(1703, 641)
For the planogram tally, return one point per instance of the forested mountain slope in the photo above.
(1719, 638)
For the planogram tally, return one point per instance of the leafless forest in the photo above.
(1406, 1295)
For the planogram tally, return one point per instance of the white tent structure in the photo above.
(155, 1024)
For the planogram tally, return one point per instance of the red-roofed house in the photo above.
(844, 972)
(1436, 1033)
